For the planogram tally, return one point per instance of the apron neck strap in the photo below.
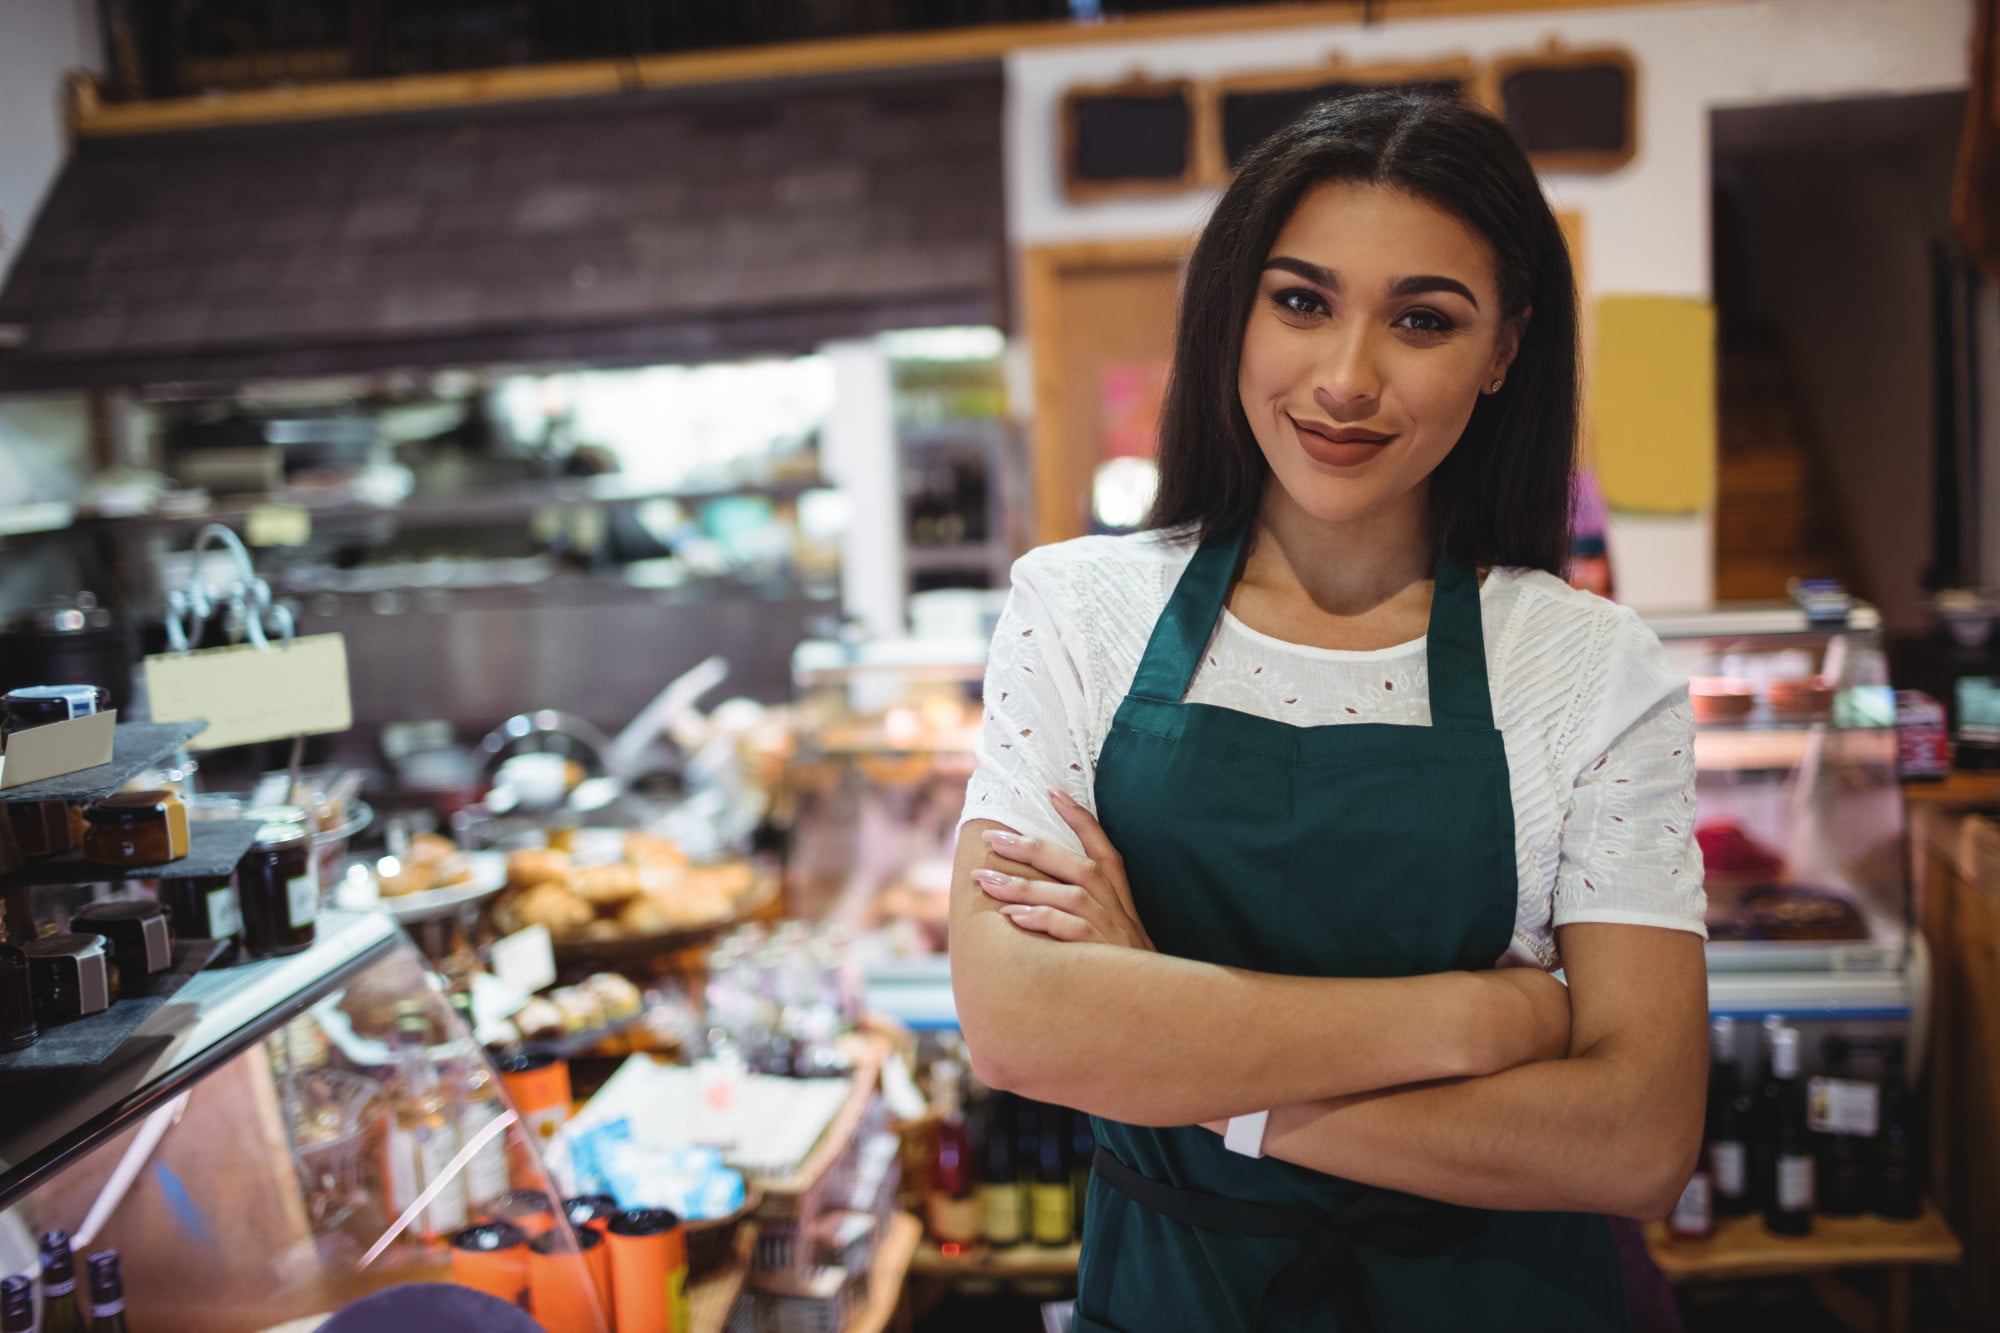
(1455, 646)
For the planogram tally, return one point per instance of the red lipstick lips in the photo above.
(1339, 446)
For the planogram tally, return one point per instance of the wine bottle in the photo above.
(1082, 1148)
(60, 1311)
(1845, 1116)
(1000, 1196)
(1898, 1175)
(1762, 1123)
(953, 1205)
(107, 1293)
(420, 1142)
(1694, 1214)
(1728, 1123)
(1052, 1196)
(1790, 1210)
(17, 1305)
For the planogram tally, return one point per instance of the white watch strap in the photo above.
(1246, 1134)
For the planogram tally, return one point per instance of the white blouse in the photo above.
(1598, 732)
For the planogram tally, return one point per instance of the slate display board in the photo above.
(1252, 115)
(135, 747)
(1134, 138)
(86, 1042)
(214, 848)
(1571, 112)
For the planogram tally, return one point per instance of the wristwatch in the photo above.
(1246, 1134)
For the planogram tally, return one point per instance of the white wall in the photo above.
(40, 42)
(1646, 226)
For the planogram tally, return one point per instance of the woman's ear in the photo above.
(1508, 345)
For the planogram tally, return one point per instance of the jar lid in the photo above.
(64, 946)
(127, 807)
(488, 1237)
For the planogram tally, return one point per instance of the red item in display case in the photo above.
(1923, 740)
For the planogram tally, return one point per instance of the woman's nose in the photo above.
(1347, 383)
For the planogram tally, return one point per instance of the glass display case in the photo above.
(1800, 813)
(287, 1137)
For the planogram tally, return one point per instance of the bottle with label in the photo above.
(1728, 1123)
(1082, 1147)
(1052, 1196)
(952, 1203)
(60, 1311)
(17, 1305)
(1898, 1175)
(420, 1142)
(107, 1293)
(277, 884)
(476, 1103)
(1003, 1203)
(1763, 1120)
(1694, 1214)
(1791, 1207)
(1844, 1113)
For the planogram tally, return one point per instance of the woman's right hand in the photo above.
(1529, 1015)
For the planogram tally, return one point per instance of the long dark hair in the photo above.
(1502, 495)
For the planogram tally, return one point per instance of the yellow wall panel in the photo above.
(1652, 403)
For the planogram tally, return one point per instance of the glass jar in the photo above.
(45, 828)
(277, 884)
(72, 977)
(203, 907)
(136, 828)
(39, 705)
(137, 934)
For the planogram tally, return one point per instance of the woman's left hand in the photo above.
(1081, 897)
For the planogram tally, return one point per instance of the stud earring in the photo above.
(1494, 387)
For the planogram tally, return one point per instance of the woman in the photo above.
(1285, 811)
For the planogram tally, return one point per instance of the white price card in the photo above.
(250, 694)
(525, 960)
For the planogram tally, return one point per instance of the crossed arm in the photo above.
(1493, 1089)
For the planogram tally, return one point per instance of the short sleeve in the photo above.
(1628, 853)
(1034, 734)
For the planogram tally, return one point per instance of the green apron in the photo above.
(1357, 850)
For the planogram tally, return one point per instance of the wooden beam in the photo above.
(90, 115)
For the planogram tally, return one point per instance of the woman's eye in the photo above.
(1425, 321)
(1299, 301)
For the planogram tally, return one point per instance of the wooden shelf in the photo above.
(711, 1299)
(1958, 790)
(900, 1242)
(979, 1261)
(1741, 1247)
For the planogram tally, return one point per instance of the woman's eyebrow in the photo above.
(1411, 286)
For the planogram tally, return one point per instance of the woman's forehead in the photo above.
(1370, 235)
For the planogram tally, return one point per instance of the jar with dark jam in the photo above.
(203, 907)
(277, 885)
(18, 1028)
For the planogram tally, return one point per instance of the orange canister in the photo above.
(537, 1082)
(493, 1258)
(648, 1271)
(531, 1210)
(590, 1210)
(566, 1281)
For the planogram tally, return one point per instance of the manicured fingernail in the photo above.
(992, 879)
(1014, 912)
(1060, 797)
(995, 838)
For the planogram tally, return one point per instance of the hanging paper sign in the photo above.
(251, 694)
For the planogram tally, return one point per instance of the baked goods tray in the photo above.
(84, 1042)
(135, 747)
(613, 952)
(214, 848)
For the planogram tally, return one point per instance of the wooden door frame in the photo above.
(1042, 268)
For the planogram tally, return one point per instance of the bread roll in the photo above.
(535, 865)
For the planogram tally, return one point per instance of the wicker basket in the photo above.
(712, 1242)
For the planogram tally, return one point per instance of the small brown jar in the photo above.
(138, 935)
(72, 977)
(202, 907)
(45, 828)
(18, 1029)
(136, 828)
(41, 705)
(277, 884)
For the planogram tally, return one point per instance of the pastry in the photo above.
(606, 886)
(1799, 912)
(646, 849)
(412, 877)
(552, 905)
(536, 865)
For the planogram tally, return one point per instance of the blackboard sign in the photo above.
(1571, 111)
(1251, 115)
(1135, 138)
